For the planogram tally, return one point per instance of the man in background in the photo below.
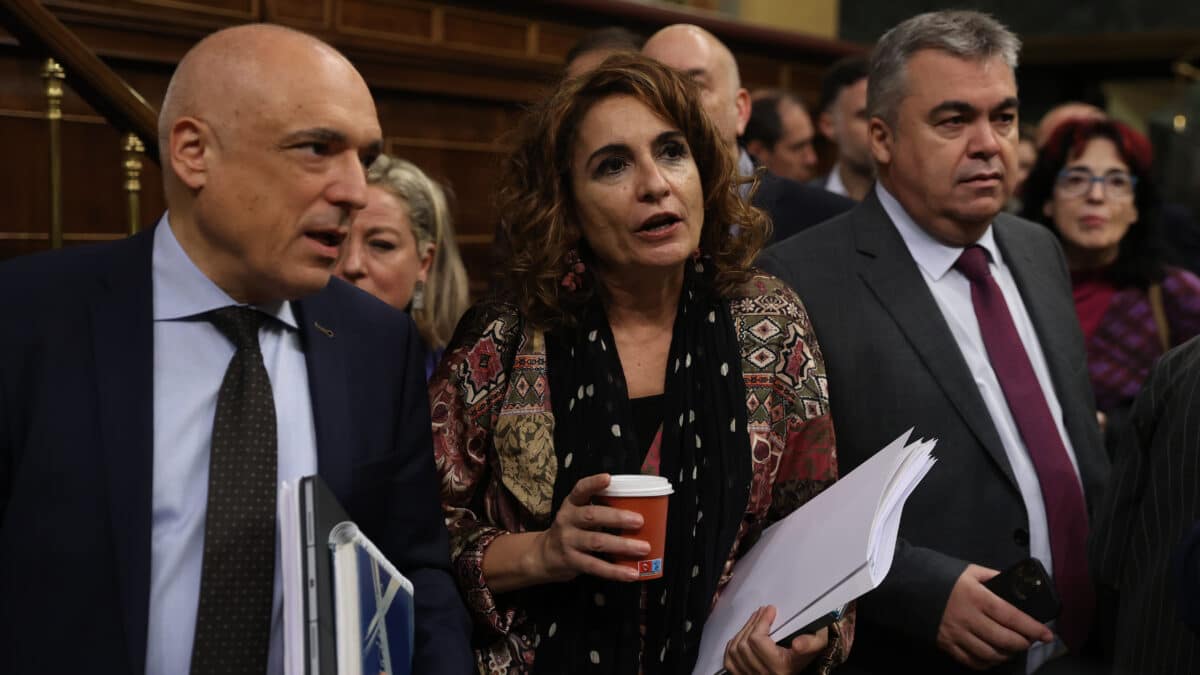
(779, 135)
(593, 48)
(698, 54)
(157, 389)
(843, 120)
(936, 311)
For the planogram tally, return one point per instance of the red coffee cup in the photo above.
(647, 495)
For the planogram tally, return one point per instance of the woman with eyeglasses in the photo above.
(1091, 185)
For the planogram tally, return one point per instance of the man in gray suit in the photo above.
(935, 310)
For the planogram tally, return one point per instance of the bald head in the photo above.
(265, 133)
(698, 54)
(233, 71)
(1061, 113)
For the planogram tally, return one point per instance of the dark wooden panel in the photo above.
(555, 41)
(385, 20)
(759, 71)
(445, 118)
(471, 174)
(233, 9)
(485, 33)
(313, 13)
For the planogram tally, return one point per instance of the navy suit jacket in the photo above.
(795, 207)
(76, 448)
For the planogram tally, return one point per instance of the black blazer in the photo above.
(76, 447)
(1151, 507)
(795, 206)
(892, 364)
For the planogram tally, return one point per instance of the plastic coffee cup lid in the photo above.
(637, 485)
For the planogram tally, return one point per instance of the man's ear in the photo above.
(881, 138)
(188, 147)
(742, 100)
(825, 125)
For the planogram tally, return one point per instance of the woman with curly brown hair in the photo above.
(633, 338)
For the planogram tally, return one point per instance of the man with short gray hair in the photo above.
(936, 310)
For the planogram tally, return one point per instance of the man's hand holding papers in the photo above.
(754, 651)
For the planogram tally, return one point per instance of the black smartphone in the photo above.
(1027, 587)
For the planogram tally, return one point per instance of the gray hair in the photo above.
(968, 35)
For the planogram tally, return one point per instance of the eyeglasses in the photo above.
(1078, 182)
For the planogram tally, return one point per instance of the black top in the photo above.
(647, 417)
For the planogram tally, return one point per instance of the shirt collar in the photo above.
(745, 164)
(834, 183)
(932, 256)
(181, 290)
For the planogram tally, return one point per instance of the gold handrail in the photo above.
(53, 75)
(134, 149)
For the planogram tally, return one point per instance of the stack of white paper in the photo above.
(828, 552)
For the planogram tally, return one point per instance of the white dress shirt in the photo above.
(952, 291)
(833, 182)
(190, 359)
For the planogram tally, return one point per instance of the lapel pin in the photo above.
(328, 333)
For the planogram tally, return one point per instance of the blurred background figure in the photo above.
(1061, 113)
(600, 44)
(779, 135)
(842, 118)
(402, 250)
(697, 53)
(1092, 186)
(1026, 157)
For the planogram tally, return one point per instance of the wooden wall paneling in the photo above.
(759, 71)
(555, 40)
(405, 21)
(173, 11)
(446, 118)
(246, 10)
(472, 175)
(316, 14)
(487, 33)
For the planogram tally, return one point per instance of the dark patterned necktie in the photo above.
(233, 622)
(1066, 510)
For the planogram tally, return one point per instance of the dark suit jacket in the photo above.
(1151, 506)
(795, 206)
(76, 447)
(892, 364)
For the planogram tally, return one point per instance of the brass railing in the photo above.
(36, 28)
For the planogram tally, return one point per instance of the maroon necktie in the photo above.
(1066, 511)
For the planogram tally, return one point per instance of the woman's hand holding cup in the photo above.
(577, 542)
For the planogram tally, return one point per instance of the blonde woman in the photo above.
(402, 250)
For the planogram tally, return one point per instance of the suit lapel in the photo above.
(887, 267)
(324, 352)
(123, 348)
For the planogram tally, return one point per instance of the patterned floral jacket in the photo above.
(493, 435)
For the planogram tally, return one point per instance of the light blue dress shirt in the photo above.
(190, 359)
(952, 292)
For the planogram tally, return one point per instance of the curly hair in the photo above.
(539, 221)
(446, 290)
(1140, 257)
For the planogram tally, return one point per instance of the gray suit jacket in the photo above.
(893, 364)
